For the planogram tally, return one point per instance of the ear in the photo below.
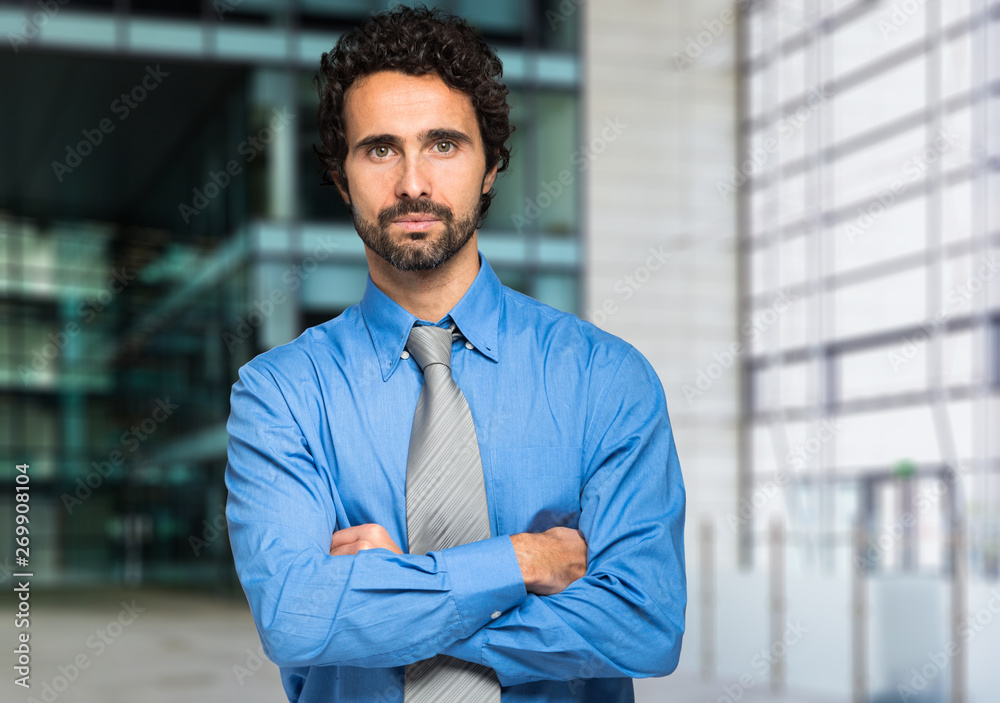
(340, 186)
(490, 178)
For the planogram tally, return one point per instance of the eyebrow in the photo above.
(437, 134)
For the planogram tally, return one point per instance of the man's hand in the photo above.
(551, 560)
(352, 540)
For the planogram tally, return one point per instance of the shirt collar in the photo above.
(477, 316)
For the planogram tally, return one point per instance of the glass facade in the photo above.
(869, 145)
(166, 223)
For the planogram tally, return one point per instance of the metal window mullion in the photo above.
(982, 469)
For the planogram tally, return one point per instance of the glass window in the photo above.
(956, 64)
(795, 265)
(874, 233)
(956, 206)
(792, 75)
(785, 386)
(953, 141)
(496, 17)
(873, 36)
(757, 87)
(778, 321)
(544, 142)
(886, 303)
(183, 8)
(201, 302)
(558, 290)
(889, 168)
(792, 203)
(882, 371)
(886, 96)
(336, 8)
(509, 211)
(875, 153)
(880, 439)
(955, 11)
(756, 30)
(558, 24)
(559, 167)
(513, 278)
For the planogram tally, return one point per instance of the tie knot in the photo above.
(430, 345)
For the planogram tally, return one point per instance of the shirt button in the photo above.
(404, 355)
(468, 345)
(495, 614)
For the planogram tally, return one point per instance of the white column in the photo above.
(660, 261)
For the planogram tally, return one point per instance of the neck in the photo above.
(429, 295)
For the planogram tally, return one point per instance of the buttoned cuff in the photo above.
(485, 579)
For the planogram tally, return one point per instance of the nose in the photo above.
(414, 179)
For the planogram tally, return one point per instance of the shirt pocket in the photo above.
(534, 488)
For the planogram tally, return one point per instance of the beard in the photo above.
(416, 251)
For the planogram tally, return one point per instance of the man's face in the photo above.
(415, 168)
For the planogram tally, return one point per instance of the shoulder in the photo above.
(564, 335)
(315, 346)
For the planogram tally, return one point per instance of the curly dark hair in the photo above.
(415, 41)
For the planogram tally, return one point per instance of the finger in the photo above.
(345, 536)
(345, 550)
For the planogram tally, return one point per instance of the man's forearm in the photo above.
(626, 616)
(549, 561)
(372, 609)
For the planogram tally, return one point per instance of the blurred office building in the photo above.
(856, 556)
(790, 207)
(163, 222)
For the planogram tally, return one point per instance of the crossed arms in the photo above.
(606, 600)
(549, 561)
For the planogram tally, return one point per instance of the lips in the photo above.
(416, 221)
(415, 218)
(414, 225)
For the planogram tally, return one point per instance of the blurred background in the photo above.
(791, 208)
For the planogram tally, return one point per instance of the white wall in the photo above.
(653, 189)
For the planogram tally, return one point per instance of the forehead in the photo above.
(397, 103)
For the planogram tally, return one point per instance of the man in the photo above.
(576, 582)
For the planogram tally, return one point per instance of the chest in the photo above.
(529, 425)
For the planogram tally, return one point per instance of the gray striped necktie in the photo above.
(445, 505)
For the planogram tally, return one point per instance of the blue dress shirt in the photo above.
(573, 430)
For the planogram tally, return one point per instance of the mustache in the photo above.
(415, 207)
